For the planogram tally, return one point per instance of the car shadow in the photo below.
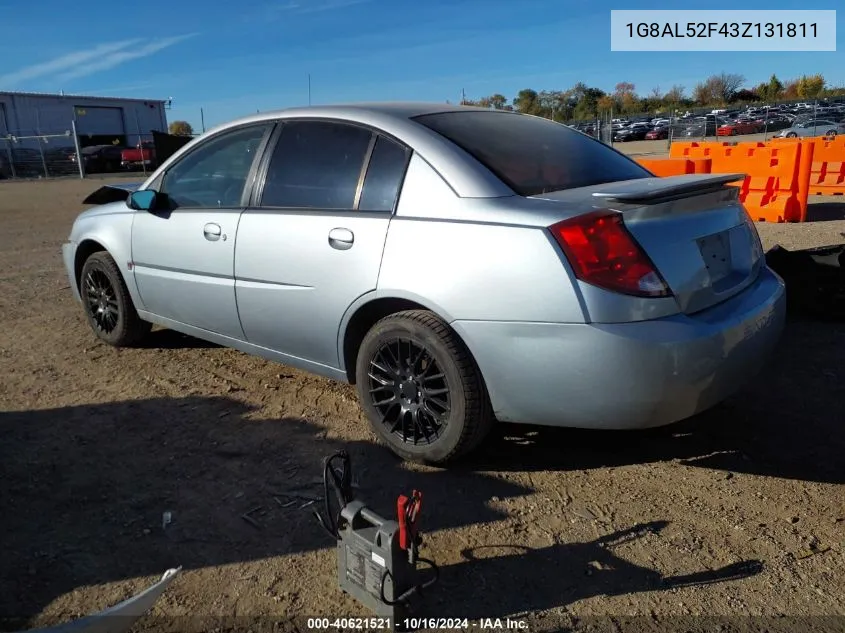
(82, 484)
(481, 586)
(787, 422)
(171, 339)
(825, 211)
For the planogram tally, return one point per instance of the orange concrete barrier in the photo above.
(827, 176)
(675, 166)
(697, 149)
(778, 176)
(777, 181)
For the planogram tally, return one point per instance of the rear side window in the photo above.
(530, 154)
(385, 173)
(316, 165)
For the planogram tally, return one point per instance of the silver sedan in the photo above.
(459, 265)
(817, 127)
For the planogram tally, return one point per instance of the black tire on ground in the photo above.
(399, 353)
(107, 303)
(791, 135)
(830, 133)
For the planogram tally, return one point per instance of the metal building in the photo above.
(99, 120)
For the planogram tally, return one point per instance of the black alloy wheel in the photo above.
(102, 301)
(420, 388)
(409, 390)
(108, 304)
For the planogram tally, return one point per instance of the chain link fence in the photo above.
(61, 153)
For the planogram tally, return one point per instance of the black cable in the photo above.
(341, 481)
(415, 589)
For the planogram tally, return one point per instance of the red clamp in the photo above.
(408, 511)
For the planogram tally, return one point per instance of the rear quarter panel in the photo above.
(468, 268)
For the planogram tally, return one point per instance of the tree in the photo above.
(774, 89)
(607, 104)
(527, 101)
(810, 87)
(181, 128)
(718, 89)
(702, 93)
(790, 89)
(729, 84)
(626, 97)
(499, 102)
(584, 100)
(746, 95)
(554, 104)
(674, 95)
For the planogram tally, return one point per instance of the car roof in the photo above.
(467, 177)
(352, 111)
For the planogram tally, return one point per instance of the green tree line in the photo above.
(583, 102)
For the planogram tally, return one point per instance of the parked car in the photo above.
(635, 132)
(732, 128)
(459, 265)
(99, 158)
(141, 156)
(59, 162)
(703, 126)
(658, 133)
(813, 128)
(773, 124)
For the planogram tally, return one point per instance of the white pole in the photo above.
(78, 153)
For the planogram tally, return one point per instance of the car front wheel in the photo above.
(108, 305)
(421, 389)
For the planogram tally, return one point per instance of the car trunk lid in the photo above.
(693, 228)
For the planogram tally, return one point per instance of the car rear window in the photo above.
(530, 154)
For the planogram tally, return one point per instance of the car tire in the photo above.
(830, 133)
(792, 135)
(403, 357)
(107, 303)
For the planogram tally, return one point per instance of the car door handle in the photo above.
(212, 232)
(341, 239)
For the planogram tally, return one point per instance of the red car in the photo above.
(657, 133)
(737, 127)
(143, 153)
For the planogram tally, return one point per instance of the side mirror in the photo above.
(144, 200)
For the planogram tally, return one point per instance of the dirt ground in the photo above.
(738, 512)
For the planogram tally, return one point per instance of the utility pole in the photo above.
(463, 96)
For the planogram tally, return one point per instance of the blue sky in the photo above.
(233, 58)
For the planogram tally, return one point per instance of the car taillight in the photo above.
(603, 253)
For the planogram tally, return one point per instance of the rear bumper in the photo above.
(68, 256)
(627, 375)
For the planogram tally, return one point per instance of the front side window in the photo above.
(316, 165)
(533, 155)
(214, 174)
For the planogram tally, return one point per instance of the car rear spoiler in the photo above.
(653, 190)
(116, 192)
